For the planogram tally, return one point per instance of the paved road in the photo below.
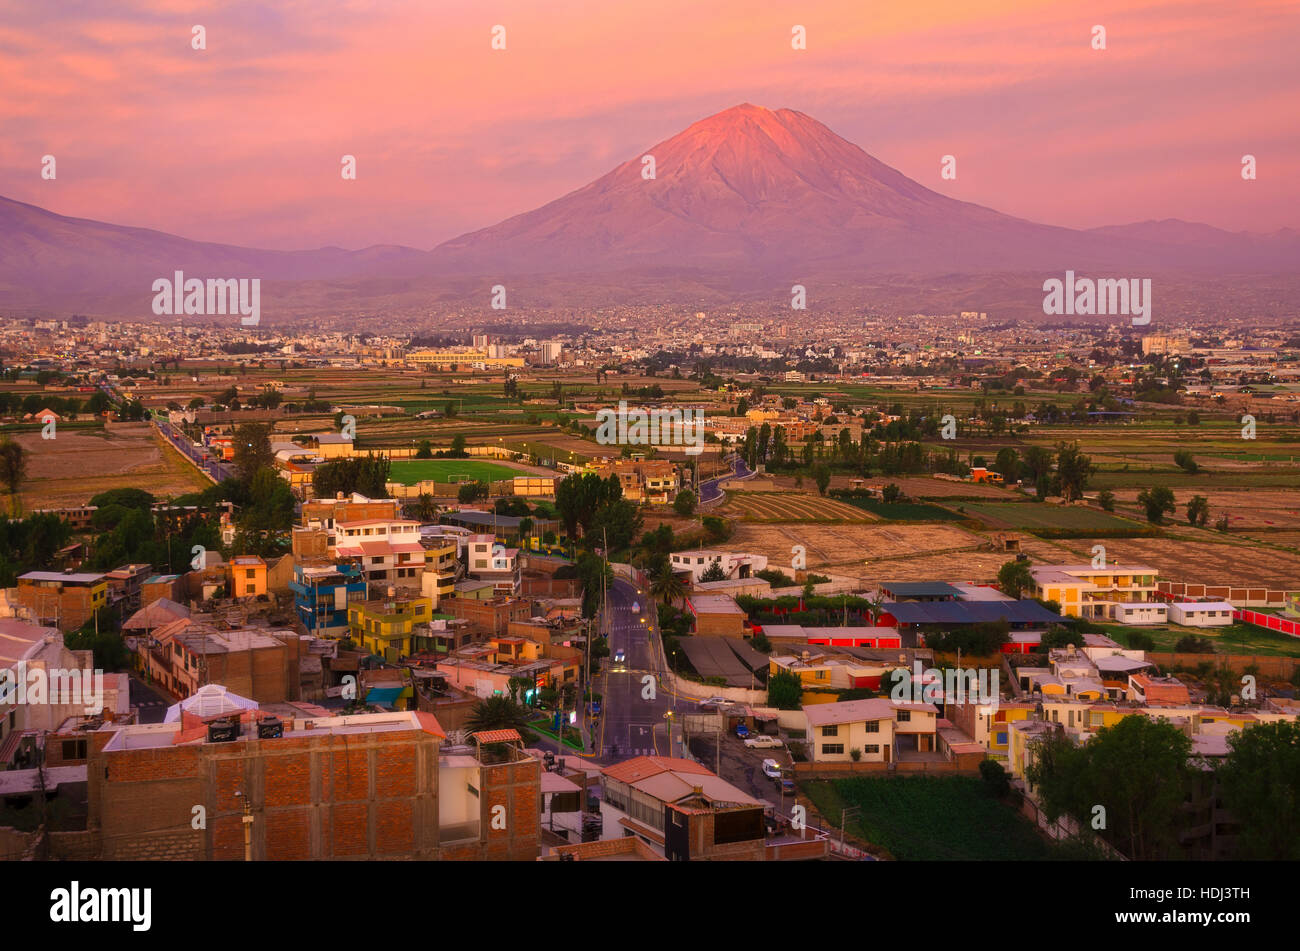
(149, 705)
(634, 724)
(710, 488)
(202, 458)
(632, 721)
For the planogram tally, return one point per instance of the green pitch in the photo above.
(411, 471)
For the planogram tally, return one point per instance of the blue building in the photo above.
(321, 593)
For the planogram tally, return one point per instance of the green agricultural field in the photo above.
(411, 471)
(929, 818)
(904, 511)
(1034, 515)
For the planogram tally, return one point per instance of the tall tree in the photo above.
(1260, 778)
(13, 469)
(1073, 469)
(252, 446)
(1138, 772)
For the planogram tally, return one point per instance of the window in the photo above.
(74, 749)
(904, 716)
(871, 748)
(250, 572)
(250, 589)
(873, 726)
(1001, 739)
(832, 749)
(833, 730)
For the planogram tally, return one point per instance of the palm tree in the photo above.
(665, 585)
(424, 508)
(496, 713)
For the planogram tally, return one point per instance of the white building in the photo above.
(734, 564)
(389, 550)
(1201, 613)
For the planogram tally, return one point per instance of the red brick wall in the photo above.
(313, 797)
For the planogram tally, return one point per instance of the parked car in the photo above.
(742, 731)
(787, 786)
(762, 742)
(772, 769)
(715, 702)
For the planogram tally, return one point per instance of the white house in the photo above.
(1201, 613)
(734, 564)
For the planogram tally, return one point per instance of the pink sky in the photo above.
(241, 143)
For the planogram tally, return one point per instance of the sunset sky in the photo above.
(241, 143)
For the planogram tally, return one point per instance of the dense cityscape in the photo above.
(738, 495)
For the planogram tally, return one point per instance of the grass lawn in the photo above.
(1234, 639)
(411, 471)
(928, 818)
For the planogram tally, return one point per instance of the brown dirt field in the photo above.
(791, 507)
(78, 464)
(1241, 564)
(1246, 508)
(862, 549)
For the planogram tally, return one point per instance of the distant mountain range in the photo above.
(743, 204)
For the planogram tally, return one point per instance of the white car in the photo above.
(772, 769)
(761, 742)
(714, 702)
(619, 657)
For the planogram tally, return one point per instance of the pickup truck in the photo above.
(762, 742)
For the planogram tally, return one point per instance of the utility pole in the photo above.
(248, 827)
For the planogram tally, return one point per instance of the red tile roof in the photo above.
(498, 736)
(640, 767)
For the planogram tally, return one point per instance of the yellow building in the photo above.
(1123, 593)
(439, 578)
(247, 576)
(460, 358)
(535, 486)
(384, 626)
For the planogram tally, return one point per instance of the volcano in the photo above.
(753, 189)
(739, 203)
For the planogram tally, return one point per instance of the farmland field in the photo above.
(1032, 515)
(80, 463)
(411, 471)
(1232, 561)
(872, 551)
(906, 511)
(790, 507)
(929, 818)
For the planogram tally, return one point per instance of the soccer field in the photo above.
(411, 471)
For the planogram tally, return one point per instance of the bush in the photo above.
(995, 777)
(1191, 644)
